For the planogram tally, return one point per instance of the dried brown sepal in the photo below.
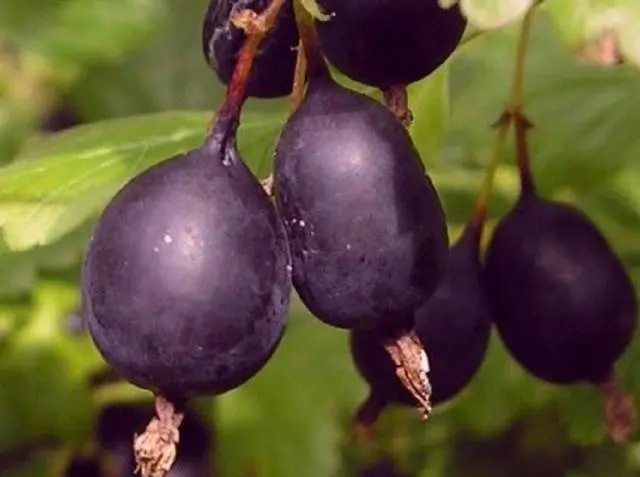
(620, 410)
(267, 185)
(603, 51)
(155, 449)
(397, 100)
(249, 21)
(412, 366)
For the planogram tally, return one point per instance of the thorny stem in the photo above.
(256, 27)
(620, 409)
(397, 100)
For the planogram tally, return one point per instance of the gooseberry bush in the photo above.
(319, 237)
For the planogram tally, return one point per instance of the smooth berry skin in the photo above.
(454, 327)
(386, 43)
(563, 303)
(365, 225)
(186, 283)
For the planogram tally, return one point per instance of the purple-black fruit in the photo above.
(387, 43)
(562, 301)
(365, 225)
(454, 327)
(273, 67)
(186, 283)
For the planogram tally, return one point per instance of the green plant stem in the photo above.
(299, 77)
(478, 216)
(304, 22)
(315, 63)
(512, 114)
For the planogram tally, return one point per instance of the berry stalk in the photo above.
(512, 114)
(478, 215)
(304, 21)
(316, 65)
(256, 26)
(516, 104)
(299, 78)
(397, 100)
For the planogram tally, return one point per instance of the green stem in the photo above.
(316, 65)
(512, 114)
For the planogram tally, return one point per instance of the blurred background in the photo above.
(126, 82)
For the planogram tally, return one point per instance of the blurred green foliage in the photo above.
(133, 72)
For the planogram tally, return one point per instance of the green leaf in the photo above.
(566, 100)
(65, 179)
(37, 464)
(500, 392)
(491, 14)
(44, 373)
(314, 10)
(287, 418)
(429, 102)
(78, 32)
(169, 73)
(19, 270)
(581, 411)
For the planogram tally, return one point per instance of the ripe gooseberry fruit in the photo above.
(563, 303)
(365, 225)
(387, 43)
(273, 68)
(186, 280)
(453, 325)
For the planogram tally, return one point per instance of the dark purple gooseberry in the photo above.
(454, 326)
(365, 225)
(186, 280)
(387, 43)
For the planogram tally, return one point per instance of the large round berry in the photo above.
(186, 282)
(366, 227)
